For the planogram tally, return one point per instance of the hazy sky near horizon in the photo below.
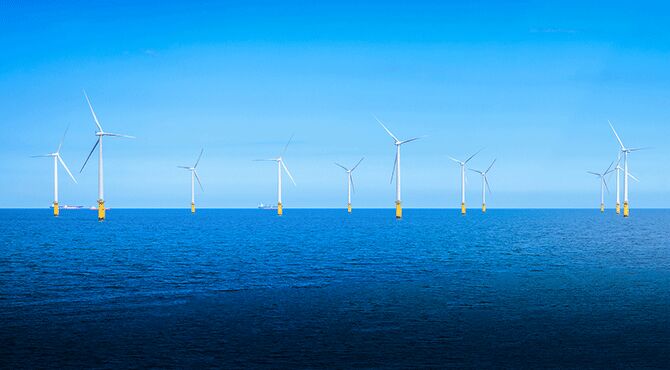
(531, 82)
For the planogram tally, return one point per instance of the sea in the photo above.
(320, 288)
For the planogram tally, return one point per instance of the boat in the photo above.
(65, 206)
(267, 206)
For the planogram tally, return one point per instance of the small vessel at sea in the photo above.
(267, 206)
(69, 207)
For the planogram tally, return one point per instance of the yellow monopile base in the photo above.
(192, 207)
(280, 209)
(349, 207)
(625, 209)
(618, 208)
(602, 207)
(56, 209)
(483, 207)
(101, 210)
(462, 208)
(398, 210)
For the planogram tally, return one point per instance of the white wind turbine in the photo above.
(463, 179)
(194, 176)
(396, 168)
(618, 170)
(485, 184)
(100, 134)
(57, 158)
(350, 182)
(625, 151)
(603, 184)
(280, 165)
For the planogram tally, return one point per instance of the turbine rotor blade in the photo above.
(395, 164)
(199, 156)
(40, 156)
(66, 169)
(119, 135)
(492, 163)
(89, 155)
(359, 162)
(344, 168)
(286, 146)
(351, 178)
(472, 156)
(62, 139)
(633, 177)
(410, 140)
(606, 187)
(288, 172)
(455, 160)
(636, 149)
(198, 178)
(95, 118)
(387, 130)
(184, 167)
(265, 160)
(593, 173)
(479, 172)
(486, 180)
(617, 135)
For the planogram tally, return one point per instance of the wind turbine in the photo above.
(485, 184)
(603, 184)
(194, 176)
(618, 170)
(57, 158)
(350, 182)
(463, 180)
(100, 134)
(280, 165)
(396, 168)
(625, 151)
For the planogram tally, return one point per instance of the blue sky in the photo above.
(532, 82)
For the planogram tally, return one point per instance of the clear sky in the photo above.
(532, 82)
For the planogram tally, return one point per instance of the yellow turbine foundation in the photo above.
(101, 210)
(398, 210)
(462, 208)
(483, 207)
(618, 208)
(602, 207)
(192, 207)
(56, 209)
(349, 207)
(280, 209)
(625, 209)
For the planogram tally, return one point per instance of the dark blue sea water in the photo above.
(320, 288)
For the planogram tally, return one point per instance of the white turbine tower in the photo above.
(280, 165)
(603, 184)
(396, 168)
(57, 158)
(350, 182)
(463, 179)
(485, 184)
(100, 134)
(625, 151)
(194, 176)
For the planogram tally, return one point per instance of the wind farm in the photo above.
(500, 238)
